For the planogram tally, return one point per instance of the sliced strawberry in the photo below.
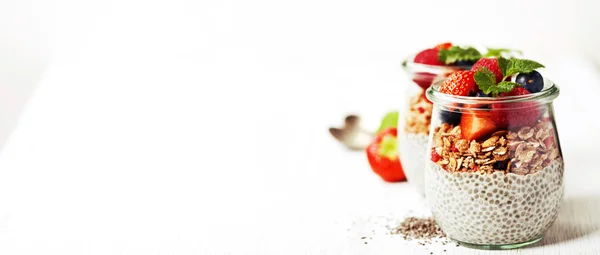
(424, 80)
(475, 125)
(459, 83)
(444, 46)
(515, 115)
(549, 141)
(491, 64)
(429, 57)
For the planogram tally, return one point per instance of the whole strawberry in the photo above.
(460, 83)
(429, 57)
(514, 115)
(491, 64)
(383, 157)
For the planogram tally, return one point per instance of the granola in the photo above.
(524, 151)
(418, 117)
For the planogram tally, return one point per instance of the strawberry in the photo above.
(383, 157)
(435, 157)
(491, 64)
(444, 46)
(514, 115)
(549, 141)
(460, 83)
(476, 125)
(429, 57)
(424, 80)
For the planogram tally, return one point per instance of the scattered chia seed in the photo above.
(419, 228)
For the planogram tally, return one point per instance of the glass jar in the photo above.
(494, 171)
(415, 117)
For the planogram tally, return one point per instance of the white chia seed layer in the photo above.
(497, 208)
(412, 152)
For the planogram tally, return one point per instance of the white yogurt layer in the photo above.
(412, 151)
(497, 208)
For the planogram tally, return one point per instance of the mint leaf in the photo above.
(506, 86)
(456, 53)
(503, 64)
(497, 52)
(485, 79)
(521, 66)
(389, 120)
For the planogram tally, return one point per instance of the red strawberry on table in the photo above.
(514, 115)
(491, 64)
(428, 57)
(383, 156)
(459, 83)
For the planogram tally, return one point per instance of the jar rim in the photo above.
(410, 66)
(549, 92)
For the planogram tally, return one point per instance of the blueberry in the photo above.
(501, 165)
(464, 63)
(450, 117)
(533, 82)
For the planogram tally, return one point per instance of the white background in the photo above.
(185, 127)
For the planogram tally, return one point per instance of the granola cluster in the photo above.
(418, 117)
(526, 151)
(532, 148)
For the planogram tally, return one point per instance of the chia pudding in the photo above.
(497, 208)
(506, 189)
(494, 167)
(412, 150)
(413, 140)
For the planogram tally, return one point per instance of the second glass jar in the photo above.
(415, 117)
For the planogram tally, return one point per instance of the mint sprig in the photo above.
(503, 63)
(486, 80)
(456, 53)
(514, 66)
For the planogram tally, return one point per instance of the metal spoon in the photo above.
(351, 134)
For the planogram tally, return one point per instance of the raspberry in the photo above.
(429, 57)
(491, 64)
(514, 115)
(459, 83)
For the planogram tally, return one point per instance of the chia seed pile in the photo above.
(415, 228)
(419, 228)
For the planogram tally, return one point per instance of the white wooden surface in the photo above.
(154, 139)
(143, 157)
